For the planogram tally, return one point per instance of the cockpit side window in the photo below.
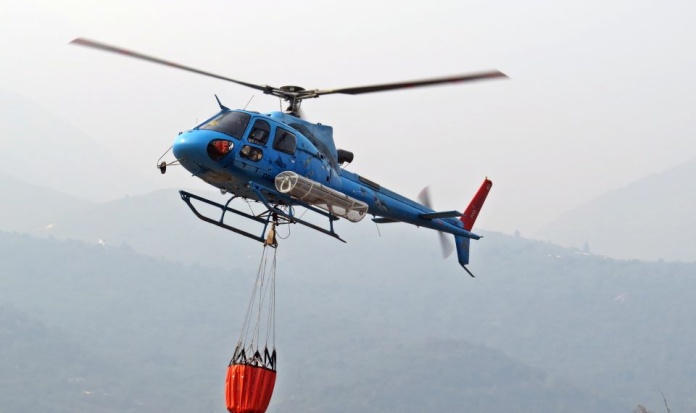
(260, 132)
(230, 123)
(285, 141)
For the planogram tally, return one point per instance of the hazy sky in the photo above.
(601, 93)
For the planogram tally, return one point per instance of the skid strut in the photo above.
(262, 219)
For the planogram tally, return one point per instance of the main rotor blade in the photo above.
(107, 48)
(491, 74)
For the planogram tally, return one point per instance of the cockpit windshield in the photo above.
(230, 123)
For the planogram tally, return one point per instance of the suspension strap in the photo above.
(247, 350)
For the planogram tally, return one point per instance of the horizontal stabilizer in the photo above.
(382, 220)
(444, 214)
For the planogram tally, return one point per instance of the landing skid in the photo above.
(273, 213)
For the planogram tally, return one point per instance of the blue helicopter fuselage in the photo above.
(283, 161)
(235, 148)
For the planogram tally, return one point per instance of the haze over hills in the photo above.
(650, 219)
(159, 224)
(41, 149)
(621, 224)
(28, 207)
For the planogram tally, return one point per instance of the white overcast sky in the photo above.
(601, 93)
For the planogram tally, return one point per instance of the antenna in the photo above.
(250, 99)
(378, 231)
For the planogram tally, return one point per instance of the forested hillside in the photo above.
(377, 325)
(137, 334)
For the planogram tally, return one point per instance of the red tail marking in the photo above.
(476, 204)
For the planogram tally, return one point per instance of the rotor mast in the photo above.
(292, 95)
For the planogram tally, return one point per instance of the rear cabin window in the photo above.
(285, 141)
(230, 123)
(260, 132)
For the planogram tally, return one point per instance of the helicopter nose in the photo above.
(189, 146)
(202, 150)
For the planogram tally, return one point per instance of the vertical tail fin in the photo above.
(472, 211)
(468, 219)
(463, 244)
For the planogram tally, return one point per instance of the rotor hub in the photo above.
(292, 89)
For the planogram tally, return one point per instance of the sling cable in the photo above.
(251, 373)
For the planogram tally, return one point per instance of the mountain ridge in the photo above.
(30, 207)
(650, 219)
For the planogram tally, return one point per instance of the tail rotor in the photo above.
(445, 241)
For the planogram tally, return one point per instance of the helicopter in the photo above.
(283, 161)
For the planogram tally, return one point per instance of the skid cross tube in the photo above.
(259, 189)
(186, 197)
